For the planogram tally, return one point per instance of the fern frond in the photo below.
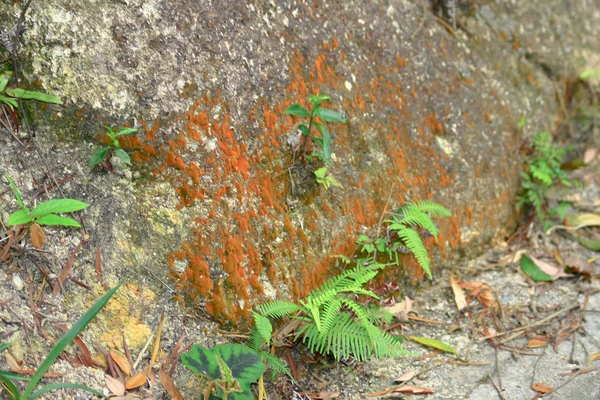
(263, 327)
(432, 208)
(413, 242)
(278, 309)
(541, 171)
(330, 310)
(255, 340)
(277, 366)
(414, 217)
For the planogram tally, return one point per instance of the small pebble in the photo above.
(17, 282)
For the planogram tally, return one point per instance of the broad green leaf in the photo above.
(16, 192)
(331, 116)
(58, 206)
(12, 103)
(321, 172)
(591, 244)
(304, 129)
(533, 271)
(20, 217)
(4, 80)
(318, 99)
(589, 73)
(263, 326)
(53, 219)
(67, 338)
(9, 387)
(245, 365)
(56, 386)
(326, 145)
(297, 110)
(97, 157)
(123, 156)
(126, 131)
(436, 344)
(28, 94)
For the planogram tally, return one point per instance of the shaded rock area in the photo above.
(215, 213)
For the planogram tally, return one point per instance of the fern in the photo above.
(278, 309)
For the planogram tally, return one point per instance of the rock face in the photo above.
(215, 199)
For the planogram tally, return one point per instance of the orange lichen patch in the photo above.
(401, 61)
(432, 123)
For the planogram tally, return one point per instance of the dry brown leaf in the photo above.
(136, 381)
(12, 363)
(512, 258)
(38, 239)
(579, 265)
(594, 357)
(540, 387)
(115, 385)
(403, 307)
(586, 219)
(535, 343)
(401, 389)
(551, 270)
(156, 344)
(323, 395)
(169, 386)
(121, 360)
(589, 155)
(407, 376)
(487, 298)
(459, 296)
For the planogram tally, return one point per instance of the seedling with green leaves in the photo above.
(326, 180)
(7, 378)
(45, 212)
(113, 147)
(231, 369)
(9, 101)
(543, 170)
(323, 115)
(331, 322)
(402, 234)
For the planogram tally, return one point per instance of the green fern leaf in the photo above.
(413, 242)
(434, 209)
(414, 217)
(277, 366)
(278, 309)
(263, 326)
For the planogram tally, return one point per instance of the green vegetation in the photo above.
(403, 234)
(114, 147)
(44, 213)
(9, 96)
(7, 378)
(326, 180)
(543, 170)
(331, 322)
(231, 368)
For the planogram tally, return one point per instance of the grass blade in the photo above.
(67, 338)
(10, 388)
(56, 386)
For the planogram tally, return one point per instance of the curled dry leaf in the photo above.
(136, 381)
(459, 296)
(579, 265)
(403, 307)
(594, 357)
(121, 360)
(115, 386)
(13, 365)
(535, 343)
(540, 387)
(38, 239)
(407, 376)
(401, 389)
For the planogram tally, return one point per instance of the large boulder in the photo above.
(215, 198)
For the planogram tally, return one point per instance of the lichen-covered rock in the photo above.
(217, 201)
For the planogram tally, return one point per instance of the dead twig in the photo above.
(496, 387)
(423, 18)
(67, 269)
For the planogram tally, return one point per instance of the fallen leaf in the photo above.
(156, 345)
(169, 386)
(594, 357)
(512, 258)
(121, 360)
(551, 270)
(13, 365)
(487, 298)
(459, 296)
(38, 239)
(325, 395)
(586, 219)
(115, 386)
(407, 376)
(436, 344)
(533, 271)
(403, 307)
(579, 265)
(589, 155)
(401, 389)
(136, 381)
(535, 343)
(540, 387)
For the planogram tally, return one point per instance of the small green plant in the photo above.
(231, 369)
(331, 322)
(9, 98)
(7, 378)
(542, 170)
(326, 180)
(402, 234)
(44, 213)
(323, 115)
(114, 147)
